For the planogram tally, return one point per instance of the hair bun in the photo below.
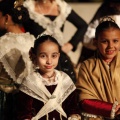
(20, 14)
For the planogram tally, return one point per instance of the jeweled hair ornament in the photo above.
(106, 18)
(18, 3)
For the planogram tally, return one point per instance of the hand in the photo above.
(67, 47)
(7, 89)
(74, 117)
(117, 110)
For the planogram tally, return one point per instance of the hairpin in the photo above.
(18, 3)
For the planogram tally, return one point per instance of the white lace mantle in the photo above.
(12, 44)
(52, 27)
(34, 87)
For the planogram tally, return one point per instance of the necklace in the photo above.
(51, 78)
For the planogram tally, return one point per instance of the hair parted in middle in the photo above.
(41, 39)
(105, 23)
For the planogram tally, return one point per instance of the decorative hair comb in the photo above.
(106, 18)
(18, 3)
(43, 34)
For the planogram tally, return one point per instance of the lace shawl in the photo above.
(14, 54)
(51, 27)
(33, 86)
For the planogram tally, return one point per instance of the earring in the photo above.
(6, 23)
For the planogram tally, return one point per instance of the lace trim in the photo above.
(16, 41)
(52, 27)
(89, 115)
(46, 82)
(68, 91)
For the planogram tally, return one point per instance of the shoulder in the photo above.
(62, 75)
(12, 40)
(89, 63)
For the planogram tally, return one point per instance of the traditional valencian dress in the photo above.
(41, 100)
(99, 86)
(54, 25)
(14, 61)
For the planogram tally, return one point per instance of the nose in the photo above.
(110, 44)
(49, 61)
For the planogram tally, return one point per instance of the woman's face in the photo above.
(108, 43)
(2, 21)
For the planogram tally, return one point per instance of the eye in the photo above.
(115, 41)
(54, 55)
(104, 41)
(42, 56)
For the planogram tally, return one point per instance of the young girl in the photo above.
(99, 77)
(49, 17)
(47, 94)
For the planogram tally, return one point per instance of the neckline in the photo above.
(42, 10)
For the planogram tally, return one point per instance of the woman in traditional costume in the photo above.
(99, 77)
(49, 17)
(47, 94)
(14, 51)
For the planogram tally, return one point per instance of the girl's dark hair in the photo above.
(42, 39)
(19, 14)
(104, 25)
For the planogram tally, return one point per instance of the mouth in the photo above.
(110, 52)
(48, 67)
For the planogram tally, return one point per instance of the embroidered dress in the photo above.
(47, 101)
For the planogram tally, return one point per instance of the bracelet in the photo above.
(112, 114)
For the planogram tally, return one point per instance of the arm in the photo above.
(72, 106)
(100, 108)
(81, 27)
(96, 107)
(24, 106)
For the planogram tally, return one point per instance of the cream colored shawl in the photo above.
(34, 87)
(14, 55)
(97, 81)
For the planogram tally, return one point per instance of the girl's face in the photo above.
(108, 43)
(47, 56)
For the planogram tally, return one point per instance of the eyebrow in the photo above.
(45, 53)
